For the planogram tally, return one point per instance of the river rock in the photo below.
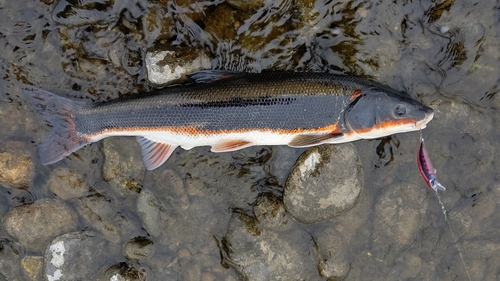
(282, 161)
(67, 184)
(247, 6)
(104, 215)
(397, 217)
(10, 257)
(123, 168)
(270, 213)
(325, 182)
(262, 254)
(138, 249)
(34, 225)
(171, 63)
(333, 249)
(148, 209)
(122, 272)
(74, 256)
(16, 168)
(33, 266)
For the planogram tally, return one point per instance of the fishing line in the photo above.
(429, 174)
(452, 233)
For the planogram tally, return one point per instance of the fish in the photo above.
(426, 169)
(230, 111)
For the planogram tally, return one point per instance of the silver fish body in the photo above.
(230, 111)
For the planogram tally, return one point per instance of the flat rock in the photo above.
(325, 182)
(34, 225)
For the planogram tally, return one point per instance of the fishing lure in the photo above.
(426, 169)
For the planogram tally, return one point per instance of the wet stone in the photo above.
(262, 254)
(325, 182)
(122, 272)
(282, 161)
(148, 208)
(16, 168)
(123, 168)
(74, 256)
(104, 215)
(398, 212)
(33, 266)
(270, 213)
(169, 64)
(333, 249)
(138, 249)
(67, 184)
(36, 224)
(246, 5)
(460, 118)
(10, 260)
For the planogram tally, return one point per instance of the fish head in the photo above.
(375, 112)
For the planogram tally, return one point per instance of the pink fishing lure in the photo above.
(426, 169)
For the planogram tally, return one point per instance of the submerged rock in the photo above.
(67, 184)
(33, 266)
(148, 209)
(258, 253)
(123, 168)
(333, 249)
(398, 214)
(105, 215)
(138, 249)
(34, 225)
(74, 256)
(325, 182)
(16, 168)
(270, 213)
(122, 272)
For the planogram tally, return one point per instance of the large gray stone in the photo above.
(325, 182)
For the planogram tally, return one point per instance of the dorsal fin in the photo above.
(207, 76)
(154, 153)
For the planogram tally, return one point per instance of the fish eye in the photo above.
(400, 110)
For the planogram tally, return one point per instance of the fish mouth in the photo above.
(423, 123)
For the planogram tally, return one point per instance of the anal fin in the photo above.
(230, 145)
(313, 139)
(154, 153)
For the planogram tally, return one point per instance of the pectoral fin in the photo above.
(313, 139)
(230, 145)
(154, 153)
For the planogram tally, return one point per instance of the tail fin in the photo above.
(64, 139)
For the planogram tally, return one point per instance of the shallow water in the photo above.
(444, 53)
